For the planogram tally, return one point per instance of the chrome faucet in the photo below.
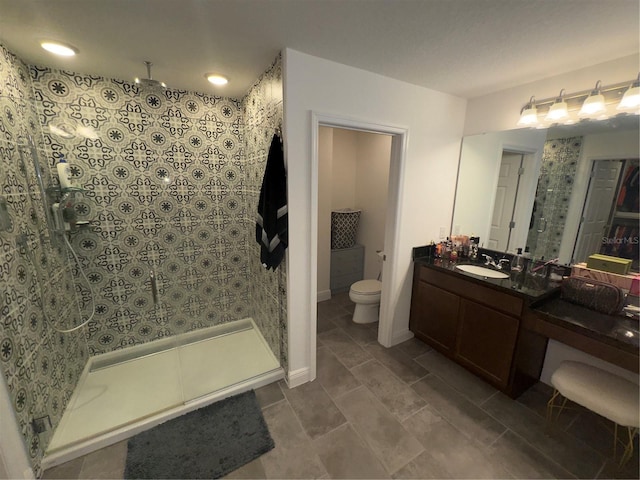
(489, 261)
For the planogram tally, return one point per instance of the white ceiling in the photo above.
(463, 47)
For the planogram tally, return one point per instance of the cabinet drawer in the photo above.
(465, 288)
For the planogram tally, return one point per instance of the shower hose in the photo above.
(80, 269)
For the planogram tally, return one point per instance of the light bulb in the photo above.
(58, 48)
(529, 114)
(216, 79)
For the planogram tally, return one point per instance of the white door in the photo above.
(597, 208)
(504, 205)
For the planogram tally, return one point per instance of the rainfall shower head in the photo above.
(150, 82)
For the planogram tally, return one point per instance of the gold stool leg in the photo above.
(551, 405)
(628, 450)
(615, 440)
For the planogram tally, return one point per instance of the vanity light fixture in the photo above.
(593, 106)
(58, 48)
(529, 114)
(216, 79)
(559, 110)
(631, 98)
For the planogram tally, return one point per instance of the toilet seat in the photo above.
(367, 287)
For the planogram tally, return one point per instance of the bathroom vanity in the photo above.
(499, 330)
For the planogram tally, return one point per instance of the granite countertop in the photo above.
(543, 297)
(531, 288)
(619, 328)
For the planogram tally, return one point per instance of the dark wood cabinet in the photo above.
(486, 341)
(475, 325)
(434, 316)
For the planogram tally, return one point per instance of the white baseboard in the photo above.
(401, 337)
(324, 295)
(298, 377)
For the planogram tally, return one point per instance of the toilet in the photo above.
(366, 295)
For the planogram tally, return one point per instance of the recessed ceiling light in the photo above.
(58, 48)
(216, 79)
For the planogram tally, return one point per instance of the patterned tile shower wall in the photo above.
(262, 107)
(555, 184)
(166, 186)
(41, 366)
(163, 174)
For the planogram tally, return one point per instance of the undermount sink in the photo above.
(482, 271)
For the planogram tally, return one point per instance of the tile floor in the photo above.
(404, 412)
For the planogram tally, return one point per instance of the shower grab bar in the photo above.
(154, 287)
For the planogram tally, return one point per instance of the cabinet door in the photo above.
(486, 341)
(434, 316)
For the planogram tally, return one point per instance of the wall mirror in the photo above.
(565, 192)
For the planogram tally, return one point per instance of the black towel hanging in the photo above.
(272, 218)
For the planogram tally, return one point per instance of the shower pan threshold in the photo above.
(158, 381)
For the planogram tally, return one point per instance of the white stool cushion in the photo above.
(602, 392)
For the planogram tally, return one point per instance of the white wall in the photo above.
(434, 122)
(372, 181)
(501, 110)
(325, 166)
(343, 174)
(600, 146)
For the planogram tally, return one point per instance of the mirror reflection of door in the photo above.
(502, 219)
(597, 208)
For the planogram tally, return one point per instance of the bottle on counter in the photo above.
(517, 268)
(473, 248)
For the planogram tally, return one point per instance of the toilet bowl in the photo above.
(366, 295)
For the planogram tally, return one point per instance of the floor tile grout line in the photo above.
(506, 429)
(424, 450)
(306, 434)
(399, 419)
(353, 427)
(487, 399)
(543, 454)
(420, 379)
(335, 354)
(395, 375)
(540, 451)
(364, 440)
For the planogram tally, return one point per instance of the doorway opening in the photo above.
(391, 278)
(506, 233)
(353, 184)
(609, 221)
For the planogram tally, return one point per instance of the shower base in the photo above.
(125, 392)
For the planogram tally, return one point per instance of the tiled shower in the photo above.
(555, 183)
(170, 182)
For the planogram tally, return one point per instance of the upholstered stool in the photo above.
(601, 392)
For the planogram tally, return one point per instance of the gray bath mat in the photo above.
(206, 443)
